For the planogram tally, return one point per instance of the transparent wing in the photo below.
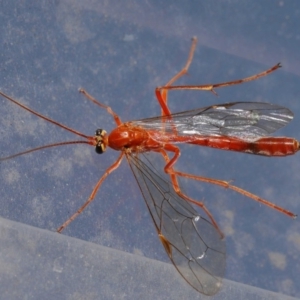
(245, 120)
(191, 241)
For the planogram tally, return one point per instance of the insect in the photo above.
(193, 241)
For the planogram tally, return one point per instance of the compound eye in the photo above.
(100, 148)
(100, 132)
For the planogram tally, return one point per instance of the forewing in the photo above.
(191, 241)
(245, 120)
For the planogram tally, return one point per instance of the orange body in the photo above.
(139, 139)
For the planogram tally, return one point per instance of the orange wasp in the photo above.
(194, 242)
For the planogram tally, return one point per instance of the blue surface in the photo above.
(120, 53)
(37, 263)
